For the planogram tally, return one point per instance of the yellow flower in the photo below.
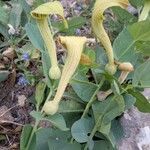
(74, 46)
(41, 15)
(97, 25)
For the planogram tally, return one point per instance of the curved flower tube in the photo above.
(74, 46)
(41, 14)
(97, 25)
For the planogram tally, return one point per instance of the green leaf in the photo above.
(80, 129)
(37, 115)
(70, 106)
(15, 15)
(39, 92)
(141, 103)
(46, 65)
(124, 46)
(71, 95)
(37, 3)
(25, 135)
(4, 75)
(83, 89)
(105, 112)
(25, 7)
(109, 109)
(140, 30)
(62, 145)
(129, 101)
(143, 48)
(141, 75)
(57, 121)
(74, 23)
(3, 16)
(139, 38)
(32, 32)
(123, 16)
(4, 30)
(70, 118)
(46, 135)
(101, 57)
(137, 3)
(102, 145)
(117, 130)
(37, 42)
(91, 53)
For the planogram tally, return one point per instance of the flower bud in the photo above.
(50, 107)
(54, 72)
(110, 68)
(126, 66)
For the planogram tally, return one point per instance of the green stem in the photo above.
(86, 110)
(98, 124)
(32, 134)
(92, 98)
(36, 124)
(48, 98)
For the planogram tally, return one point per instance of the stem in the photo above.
(98, 123)
(91, 101)
(32, 134)
(36, 123)
(21, 38)
(92, 98)
(48, 97)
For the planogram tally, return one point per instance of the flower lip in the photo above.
(105, 4)
(47, 9)
(70, 40)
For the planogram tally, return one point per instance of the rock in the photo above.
(136, 127)
(21, 100)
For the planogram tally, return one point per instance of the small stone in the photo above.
(21, 100)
